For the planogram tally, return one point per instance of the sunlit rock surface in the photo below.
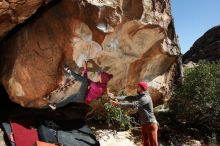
(132, 39)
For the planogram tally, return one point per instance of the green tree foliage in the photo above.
(198, 98)
(116, 117)
(111, 116)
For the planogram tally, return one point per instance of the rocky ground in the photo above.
(113, 138)
(133, 138)
(170, 133)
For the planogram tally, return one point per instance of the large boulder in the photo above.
(207, 47)
(134, 40)
(14, 12)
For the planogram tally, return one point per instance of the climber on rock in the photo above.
(144, 103)
(89, 90)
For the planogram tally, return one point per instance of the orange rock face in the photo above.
(132, 39)
(13, 12)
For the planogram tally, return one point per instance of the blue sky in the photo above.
(192, 18)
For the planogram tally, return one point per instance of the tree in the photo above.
(197, 100)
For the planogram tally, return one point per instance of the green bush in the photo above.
(198, 98)
(113, 117)
(117, 118)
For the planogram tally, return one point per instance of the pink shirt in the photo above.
(96, 89)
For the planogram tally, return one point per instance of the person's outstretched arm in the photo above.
(133, 104)
(127, 98)
(132, 101)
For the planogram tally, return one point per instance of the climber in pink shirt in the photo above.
(96, 89)
(89, 90)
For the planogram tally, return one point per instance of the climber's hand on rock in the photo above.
(111, 95)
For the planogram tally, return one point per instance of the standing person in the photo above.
(89, 90)
(144, 103)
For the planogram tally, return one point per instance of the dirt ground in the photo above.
(133, 138)
(170, 133)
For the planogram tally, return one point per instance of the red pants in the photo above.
(149, 132)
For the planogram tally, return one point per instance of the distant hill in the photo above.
(206, 47)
